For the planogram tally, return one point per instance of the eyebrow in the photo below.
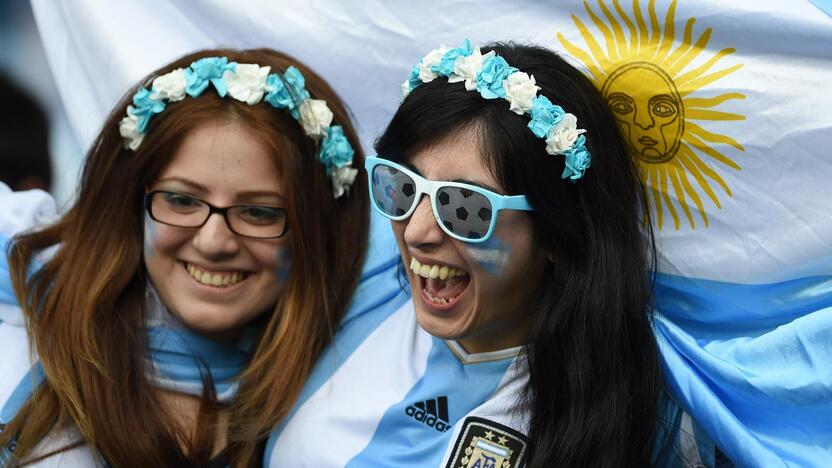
(201, 188)
(413, 168)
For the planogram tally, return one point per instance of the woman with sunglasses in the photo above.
(176, 309)
(527, 339)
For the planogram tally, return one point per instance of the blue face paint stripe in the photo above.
(491, 255)
(447, 382)
(284, 263)
(150, 235)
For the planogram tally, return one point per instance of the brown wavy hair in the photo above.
(85, 307)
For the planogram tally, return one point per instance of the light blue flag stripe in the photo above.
(752, 363)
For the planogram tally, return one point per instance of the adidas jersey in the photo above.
(401, 397)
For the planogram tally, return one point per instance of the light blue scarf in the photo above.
(179, 359)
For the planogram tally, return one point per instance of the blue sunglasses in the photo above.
(465, 212)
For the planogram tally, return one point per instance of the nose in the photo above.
(215, 240)
(643, 119)
(422, 229)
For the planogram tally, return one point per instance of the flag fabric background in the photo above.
(727, 108)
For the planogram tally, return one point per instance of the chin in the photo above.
(444, 328)
(209, 322)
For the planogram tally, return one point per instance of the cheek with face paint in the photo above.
(150, 235)
(284, 264)
(491, 255)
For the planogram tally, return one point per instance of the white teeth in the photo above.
(434, 271)
(214, 279)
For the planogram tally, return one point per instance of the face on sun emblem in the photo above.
(648, 108)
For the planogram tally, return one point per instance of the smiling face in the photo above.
(223, 164)
(484, 300)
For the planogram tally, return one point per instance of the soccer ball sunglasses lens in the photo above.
(465, 212)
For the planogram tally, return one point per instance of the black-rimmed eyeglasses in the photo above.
(185, 211)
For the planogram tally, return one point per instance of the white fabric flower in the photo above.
(467, 68)
(129, 130)
(520, 91)
(563, 135)
(432, 58)
(315, 117)
(342, 179)
(405, 88)
(170, 86)
(248, 83)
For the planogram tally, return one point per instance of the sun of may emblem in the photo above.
(649, 81)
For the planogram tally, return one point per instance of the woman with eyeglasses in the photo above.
(527, 340)
(174, 312)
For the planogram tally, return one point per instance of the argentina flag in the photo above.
(727, 114)
(727, 111)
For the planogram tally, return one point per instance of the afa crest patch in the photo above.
(486, 444)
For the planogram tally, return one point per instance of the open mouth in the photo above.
(217, 279)
(441, 285)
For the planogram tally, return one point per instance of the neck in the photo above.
(198, 420)
(499, 336)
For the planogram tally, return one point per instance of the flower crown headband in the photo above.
(249, 83)
(493, 78)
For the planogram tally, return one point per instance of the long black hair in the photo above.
(594, 379)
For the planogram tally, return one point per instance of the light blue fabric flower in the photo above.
(287, 92)
(336, 150)
(495, 69)
(577, 160)
(278, 96)
(413, 79)
(445, 67)
(297, 85)
(208, 70)
(545, 115)
(144, 107)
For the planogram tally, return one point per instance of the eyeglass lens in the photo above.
(465, 213)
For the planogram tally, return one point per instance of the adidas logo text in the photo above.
(433, 413)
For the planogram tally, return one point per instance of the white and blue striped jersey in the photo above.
(387, 393)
